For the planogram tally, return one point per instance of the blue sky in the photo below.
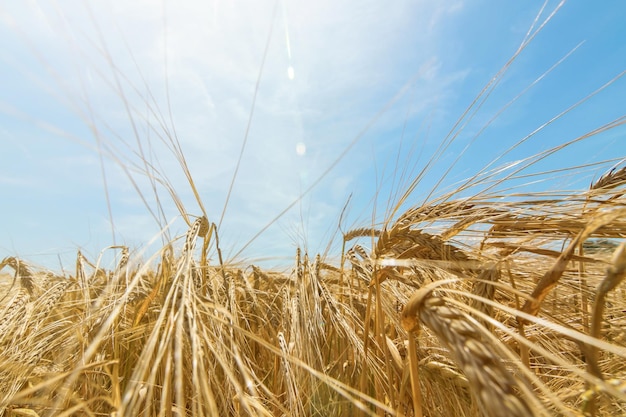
(87, 86)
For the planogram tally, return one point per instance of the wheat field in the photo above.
(492, 303)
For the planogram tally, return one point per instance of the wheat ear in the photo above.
(494, 386)
(21, 271)
(551, 278)
(614, 275)
(613, 178)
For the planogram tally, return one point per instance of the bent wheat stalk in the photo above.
(552, 276)
(495, 388)
(612, 179)
(21, 271)
(614, 276)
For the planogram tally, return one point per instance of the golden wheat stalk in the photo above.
(614, 276)
(495, 388)
(12, 312)
(612, 179)
(21, 271)
(550, 279)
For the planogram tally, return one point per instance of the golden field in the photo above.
(499, 309)
(491, 296)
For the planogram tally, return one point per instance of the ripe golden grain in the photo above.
(503, 288)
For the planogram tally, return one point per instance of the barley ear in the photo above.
(613, 178)
(21, 271)
(553, 275)
(493, 385)
(615, 274)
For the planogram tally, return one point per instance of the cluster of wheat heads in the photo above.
(460, 307)
(463, 307)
